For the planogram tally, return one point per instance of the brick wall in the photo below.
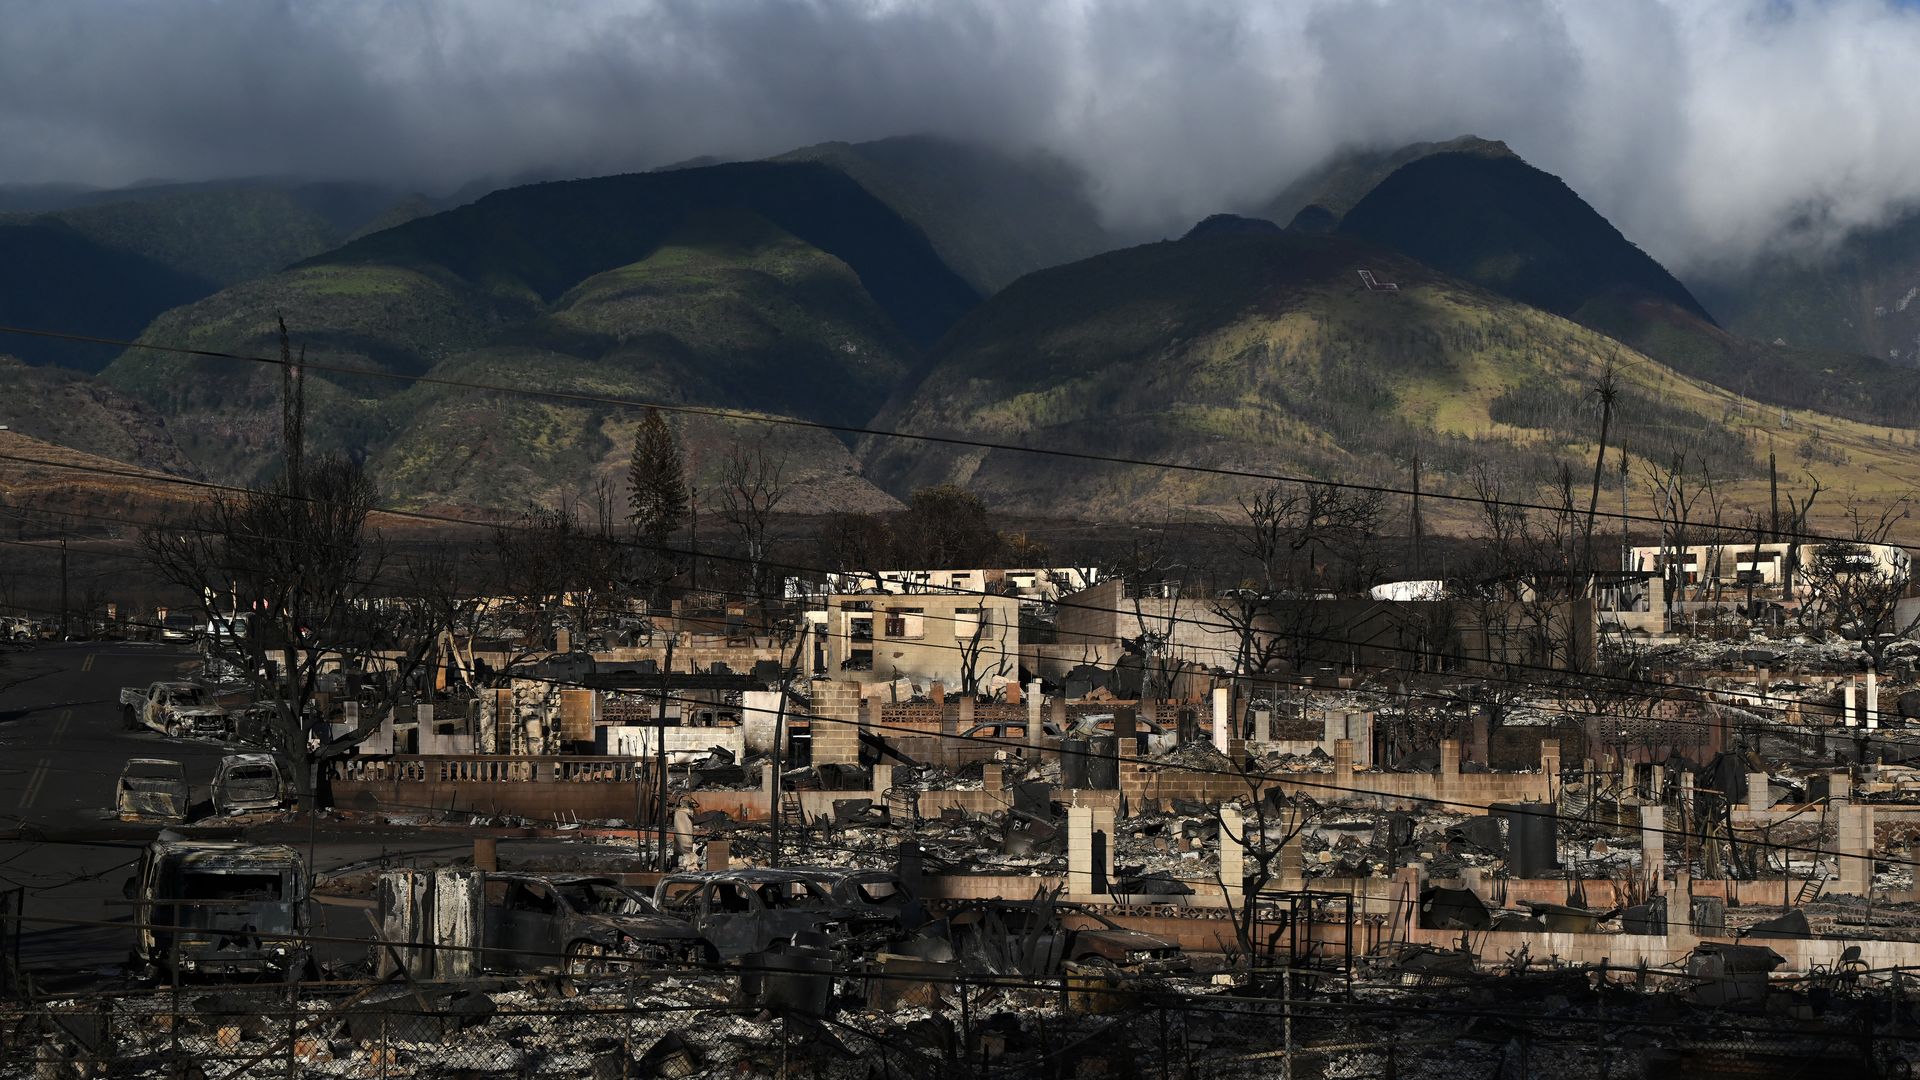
(836, 732)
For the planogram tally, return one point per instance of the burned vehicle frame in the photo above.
(175, 708)
(220, 907)
(1037, 938)
(247, 782)
(152, 789)
(581, 925)
(741, 912)
(879, 892)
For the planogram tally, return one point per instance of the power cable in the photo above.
(1637, 686)
(788, 421)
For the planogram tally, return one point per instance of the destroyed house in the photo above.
(1034, 585)
(1768, 566)
(965, 642)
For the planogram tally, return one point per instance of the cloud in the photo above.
(1704, 128)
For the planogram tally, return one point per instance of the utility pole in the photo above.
(1626, 539)
(1773, 485)
(780, 744)
(1419, 527)
(63, 588)
(660, 753)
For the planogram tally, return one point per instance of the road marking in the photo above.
(33, 786)
(87, 664)
(60, 727)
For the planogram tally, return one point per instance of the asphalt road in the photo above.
(62, 746)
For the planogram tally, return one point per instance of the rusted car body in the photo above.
(880, 893)
(152, 789)
(584, 925)
(220, 907)
(1038, 937)
(741, 912)
(174, 709)
(244, 783)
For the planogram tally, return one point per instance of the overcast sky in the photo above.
(1703, 128)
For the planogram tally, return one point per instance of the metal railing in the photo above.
(491, 769)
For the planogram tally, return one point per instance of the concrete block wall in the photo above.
(836, 727)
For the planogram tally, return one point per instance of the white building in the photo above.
(1765, 565)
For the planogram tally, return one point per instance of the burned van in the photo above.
(248, 782)
(220, 907)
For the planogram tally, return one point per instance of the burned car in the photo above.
(584, 925)
(741, 912)
(1037, 938)
(878, 892)
(152, 789)
(220, 907)
(174, 709)
(247, 782)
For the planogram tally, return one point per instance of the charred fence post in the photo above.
(966, 1022)
(1166, 1060)
(173, 965)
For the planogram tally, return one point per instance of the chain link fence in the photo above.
(784, 1024)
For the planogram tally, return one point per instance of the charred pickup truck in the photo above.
(220, 907)
(741, 912)
(152, 789)
(174, 709)
(1036, 938)
(584, 925)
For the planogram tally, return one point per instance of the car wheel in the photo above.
(1100, 966)
(586, 958)
(173, 731)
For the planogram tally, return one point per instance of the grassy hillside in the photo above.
(531, 244)
(1493, 220)
(780, 288)
(730, 311)
(42, 477)
(992, 216)
(68, 408)
(1265, 353)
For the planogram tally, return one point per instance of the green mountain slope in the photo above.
(1487, 217)
(784, 288)
(151, 248)
(527, 246)
(729, 311)
(992, 216)
(73, 410)
(1241, 350)
(1863, 297)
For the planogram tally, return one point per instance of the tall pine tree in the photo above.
(656, 480)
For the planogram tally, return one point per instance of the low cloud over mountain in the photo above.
(1705, 128)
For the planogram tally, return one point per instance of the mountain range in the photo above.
(479, 354)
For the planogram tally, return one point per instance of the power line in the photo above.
(848, 429)
(1636, 686)
(1253, 777)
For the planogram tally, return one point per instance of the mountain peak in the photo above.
(1232, 225)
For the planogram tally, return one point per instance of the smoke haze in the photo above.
(1705, 129)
